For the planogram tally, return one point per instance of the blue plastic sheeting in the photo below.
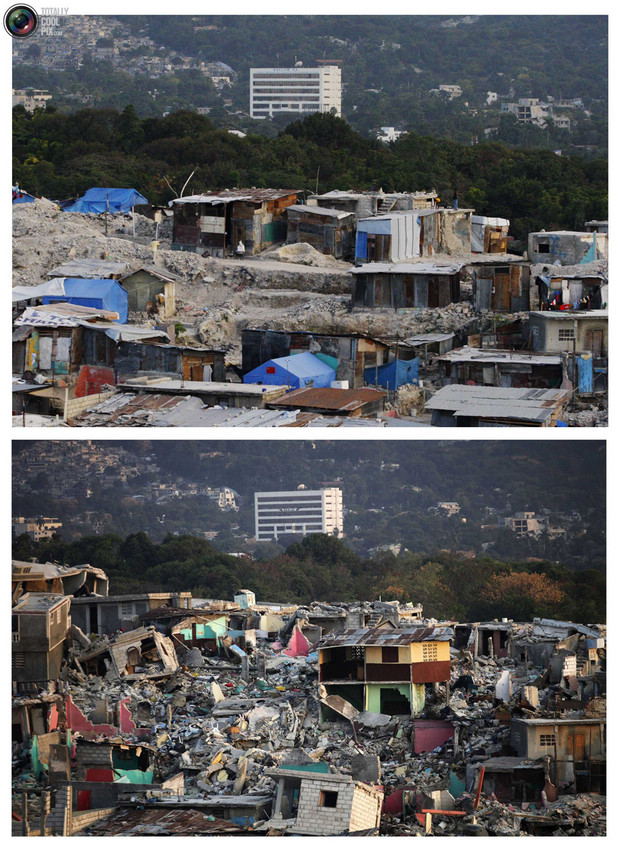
(375, 225)
(21, 197)
(361, 245)
(99, 200)
(394, 375)
(328, 359)
(584, 373)
(295, 371)
(102, 294)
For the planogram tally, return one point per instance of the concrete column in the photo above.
(279, 797)
(45, 807)
(24, 813)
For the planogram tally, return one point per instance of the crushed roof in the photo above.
(163, 821)
(32, 603)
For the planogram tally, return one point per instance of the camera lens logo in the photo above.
(21, 21)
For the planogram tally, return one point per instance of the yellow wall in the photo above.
(443, 650)
(373, 655)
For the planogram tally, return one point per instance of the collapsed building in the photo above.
(240, 717)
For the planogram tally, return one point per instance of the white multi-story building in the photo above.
(300, 90)
(298, 512)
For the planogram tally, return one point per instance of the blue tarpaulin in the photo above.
(99, 200)
(295, 371)
(102, 294)
(394, 374)
(21, 197)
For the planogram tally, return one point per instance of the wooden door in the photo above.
(502, 295)
(594, 342)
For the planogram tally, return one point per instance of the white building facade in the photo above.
(298, 512)
(298, 90)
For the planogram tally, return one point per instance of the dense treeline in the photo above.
(390, 65)
(323, 568)
(388, 488)
(60, 156)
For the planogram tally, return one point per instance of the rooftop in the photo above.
(535, 405)
(217, 388)
(385, 637)
(315, 210)
(478, 355)
(329, 398)
(256, 196)
(88, 267)
(37, 603)
(409, 267)
(562, 315)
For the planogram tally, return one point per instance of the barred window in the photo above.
(548, 740)
(430, 652)
(565, 333)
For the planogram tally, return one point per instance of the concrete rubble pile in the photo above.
(226, 728)
(216, 299)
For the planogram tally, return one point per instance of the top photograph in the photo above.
(309, 221)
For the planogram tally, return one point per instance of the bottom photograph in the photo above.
(300, 637)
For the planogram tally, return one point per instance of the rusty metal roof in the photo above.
(163, 822)
(385, 637)
(329, 398)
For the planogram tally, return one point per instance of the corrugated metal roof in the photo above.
(163, 821)
(426, 339)
(484, 355)
(229, 195)
(385, 637)
(329, 398)
(315, 210)
(498, 402)
(87, 267)
(561, 315)
(408, 267)
(157, 271)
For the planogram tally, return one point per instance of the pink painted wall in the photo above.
(429, 734)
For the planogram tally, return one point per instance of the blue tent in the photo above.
(111, 200)
(295, 371)
(21, 197)
(102, 294)
(394, 374)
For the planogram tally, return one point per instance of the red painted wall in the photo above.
(431, 671)
(91, 379)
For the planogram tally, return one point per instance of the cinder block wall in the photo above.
(314, 819)
(75, 406)
(366, 808)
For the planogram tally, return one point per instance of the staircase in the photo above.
(386, 205)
